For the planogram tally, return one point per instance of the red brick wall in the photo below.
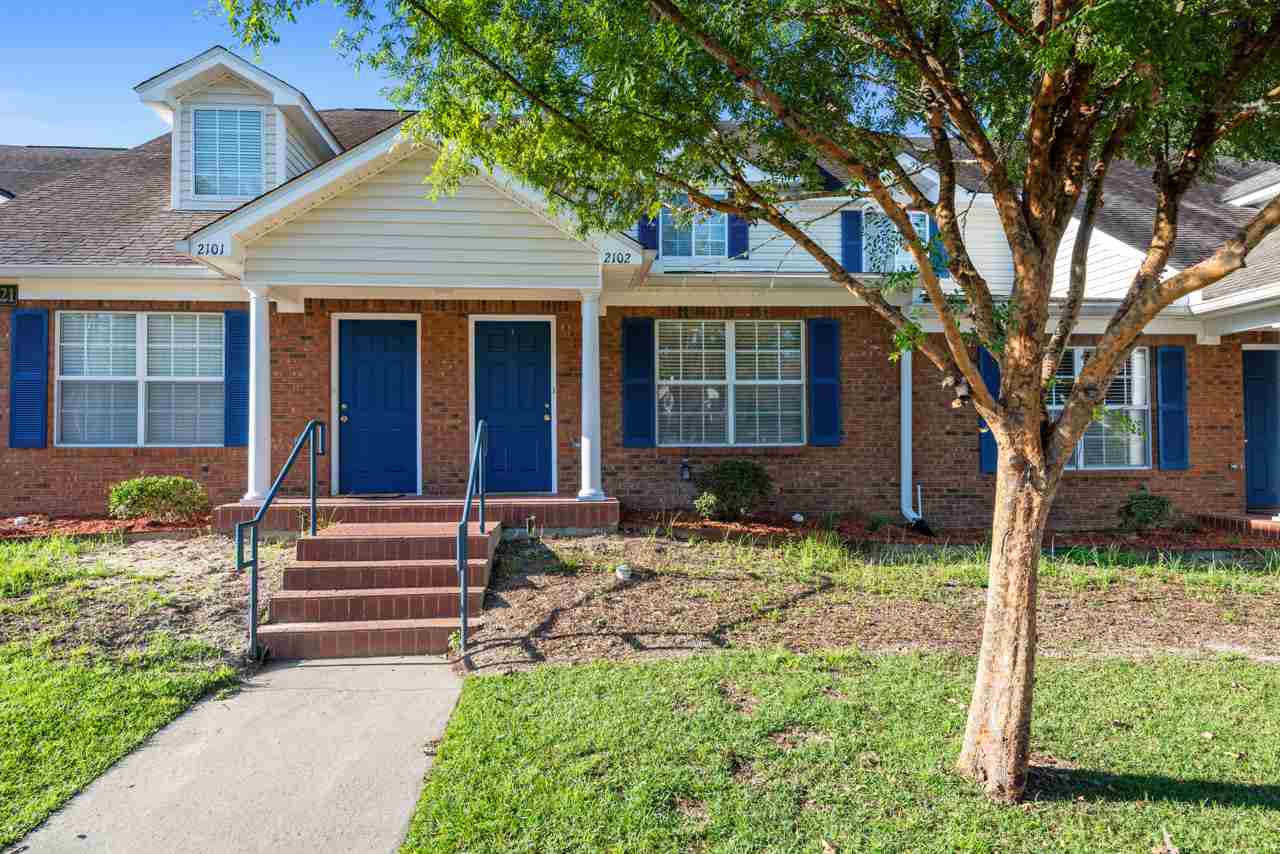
(861, 475)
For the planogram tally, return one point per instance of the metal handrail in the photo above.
(475, 478)
(313, 434)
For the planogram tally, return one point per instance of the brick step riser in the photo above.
(360, 643)
(392, 548)
(413, 606)
(356, 577)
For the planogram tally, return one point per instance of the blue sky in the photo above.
(68, 68)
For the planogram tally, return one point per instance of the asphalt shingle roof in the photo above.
(25, 167)
(115, 211)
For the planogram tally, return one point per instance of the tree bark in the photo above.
(997, 739)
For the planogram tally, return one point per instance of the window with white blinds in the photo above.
(1111, 443)
(883, 250)
(140, 379)
(228, 152)
(705, 236)
(730, 382)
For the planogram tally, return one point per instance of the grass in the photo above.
(67, 714)
(770, 751)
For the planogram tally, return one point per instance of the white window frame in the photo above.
(731, 382)
(140, 377)
(919, 221)
(262, 132)
(1076, 464)
(668, 213)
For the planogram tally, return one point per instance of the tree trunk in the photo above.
(997, 738)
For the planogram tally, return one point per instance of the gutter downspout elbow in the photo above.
(909, 512)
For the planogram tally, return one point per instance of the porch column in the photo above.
(259, 394)
(590, 395)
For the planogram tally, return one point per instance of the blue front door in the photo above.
(1262, 428)
(513, 394)
(377, 406)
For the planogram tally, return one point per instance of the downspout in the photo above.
(911, 513)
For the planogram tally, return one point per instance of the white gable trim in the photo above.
(221, 244)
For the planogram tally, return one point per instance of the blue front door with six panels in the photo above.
(513, 394)
(1262, 428)
(377, 406)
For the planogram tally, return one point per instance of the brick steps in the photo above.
(384, 603)
(364, 575)
(361, 589)
(360, 639)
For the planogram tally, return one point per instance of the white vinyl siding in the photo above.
(299, 156)
(387, 231)
(228, 152)
(1111, 265)
(126, 379)
(730, 382)
(1108, 444)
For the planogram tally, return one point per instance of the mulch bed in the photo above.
(775, 527)
(39, 525)
(675, 605)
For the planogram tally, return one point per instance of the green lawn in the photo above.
(68, 712)
(779, 752)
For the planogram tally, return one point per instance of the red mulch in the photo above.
(774, 527)
(39, 525)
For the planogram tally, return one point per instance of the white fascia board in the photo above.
(1259, 317)
(1237, 302)
(184, 272)
(129, 291)
(159, 92)
(1257, 196)
(276, 207)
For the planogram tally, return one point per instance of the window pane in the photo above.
(184, 345)
(97, 344)
(705, 236)
(883, 249)
(692, 350)
(692, 414)
(189, 413)
(98, 413)
(1108, 444)
(228, 152)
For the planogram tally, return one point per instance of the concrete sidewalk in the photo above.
(313, 756)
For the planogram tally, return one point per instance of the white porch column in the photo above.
(590, 395)
(259, 394)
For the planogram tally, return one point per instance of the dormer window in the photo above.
(883, 249)
(706, 236)
(228, 153)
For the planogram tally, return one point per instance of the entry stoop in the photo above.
(360, 589)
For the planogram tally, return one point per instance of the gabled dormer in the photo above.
(237, 130)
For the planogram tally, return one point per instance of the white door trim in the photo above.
(335, 340)
(1260, 346)
(555, 397)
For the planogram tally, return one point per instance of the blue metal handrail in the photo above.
(313, 435)
(475, 486)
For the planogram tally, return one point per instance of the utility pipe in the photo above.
(910, 513)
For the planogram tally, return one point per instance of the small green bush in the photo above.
(706, 505)
(1144, 510)
(738, 486)
(167, 498)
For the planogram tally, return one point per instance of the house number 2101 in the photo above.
(211, 249)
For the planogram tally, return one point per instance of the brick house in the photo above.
(188, 305)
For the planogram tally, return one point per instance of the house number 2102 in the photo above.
(617, 257)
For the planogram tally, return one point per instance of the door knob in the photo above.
(343, 419)
(546, 417)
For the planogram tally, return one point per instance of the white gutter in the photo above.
(904, 438)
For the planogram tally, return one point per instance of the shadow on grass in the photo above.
(1069, 784)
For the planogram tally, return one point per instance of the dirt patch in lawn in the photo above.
(559, 600)
(185, 588)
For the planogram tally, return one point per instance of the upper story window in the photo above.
(228, 152)
(706, 236)
(730, 382)
(883, 250)
(128, 379)
(1111, 443)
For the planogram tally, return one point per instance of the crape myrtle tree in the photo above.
(613, 108)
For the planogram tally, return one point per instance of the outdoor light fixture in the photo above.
(686, 473)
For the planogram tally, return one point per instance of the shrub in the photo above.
(706, 505)
(878, 521)
(167, 498)
(1143, 510)
(739, 487)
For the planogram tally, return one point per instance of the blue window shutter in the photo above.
(937, 252)
(639, 410)
(739, 237)
(647, 232)
(236, 380)
(987, 455)
(824, 382)
(29, 378)
(1175, 433)
(851, 240)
